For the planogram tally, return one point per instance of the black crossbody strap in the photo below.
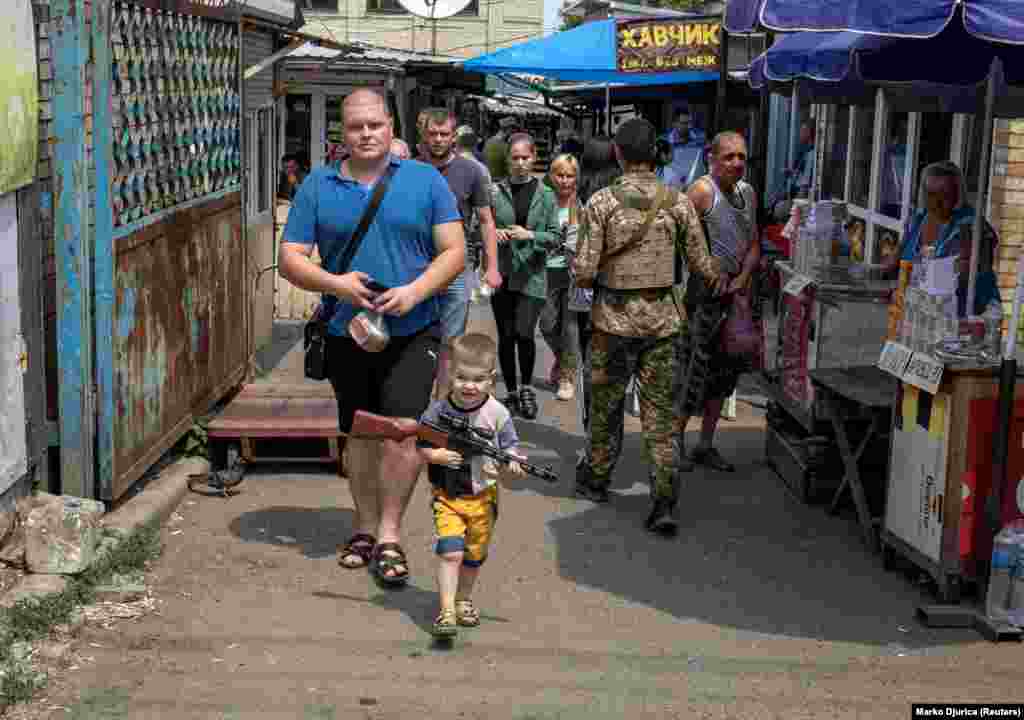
(364, 222)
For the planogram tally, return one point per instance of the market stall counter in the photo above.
(830, 316)
(941, 470)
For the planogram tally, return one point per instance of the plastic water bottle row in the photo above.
(1004, 600)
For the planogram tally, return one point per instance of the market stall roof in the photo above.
(852, 65)
(996, 20)
(585, 53)
(510, 105)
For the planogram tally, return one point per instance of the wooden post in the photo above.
(72, 229)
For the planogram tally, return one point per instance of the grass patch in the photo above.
(33, 619)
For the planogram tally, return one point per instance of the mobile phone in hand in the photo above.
(375, 287)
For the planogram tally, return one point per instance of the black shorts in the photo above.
(395, 382)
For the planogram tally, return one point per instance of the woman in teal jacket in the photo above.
(526, 215)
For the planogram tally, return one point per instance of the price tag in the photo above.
(796, 285)
(924, 372)
(894, 358)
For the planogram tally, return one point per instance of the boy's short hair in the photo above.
(477, 348)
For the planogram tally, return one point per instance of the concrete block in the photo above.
(61, 534)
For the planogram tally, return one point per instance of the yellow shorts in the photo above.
(465, 524)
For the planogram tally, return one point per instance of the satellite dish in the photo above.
(434, 9)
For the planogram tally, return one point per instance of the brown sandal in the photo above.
(385, 567)
(359, 546)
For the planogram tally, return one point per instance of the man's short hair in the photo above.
(475, 348)
(438, 116)
(522, 137)
(373, 90)
(466, 137)
(720, 138)
(635, 138)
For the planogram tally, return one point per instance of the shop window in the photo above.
(894, 165)
(259, 143)
(860, 156)
(334, 126)
(833, 175)
(393, 7)
(175, 105)
(298, 127)
(323, 6)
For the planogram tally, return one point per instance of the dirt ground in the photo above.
(762, 608)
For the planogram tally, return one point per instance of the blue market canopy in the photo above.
(1000, 21)
(584, 54)
(851, 65)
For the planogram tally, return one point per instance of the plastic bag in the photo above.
(739, 336)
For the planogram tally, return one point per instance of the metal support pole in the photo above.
(995, 80)
(608, 107)
(723, 82)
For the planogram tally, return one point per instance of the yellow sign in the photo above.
(668, 45)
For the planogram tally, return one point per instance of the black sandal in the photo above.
(384, 568)
(359, 545)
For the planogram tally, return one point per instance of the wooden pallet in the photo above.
(276, 422)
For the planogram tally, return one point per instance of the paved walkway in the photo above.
(761, 608)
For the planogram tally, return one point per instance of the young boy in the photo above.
(465, 501)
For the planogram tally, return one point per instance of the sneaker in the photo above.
(566, 390)
(713, 459)
(527, 402)
(661, 520)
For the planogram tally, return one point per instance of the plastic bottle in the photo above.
(1004, 553)
(482, 292)
(993, 318)
(1016, 609)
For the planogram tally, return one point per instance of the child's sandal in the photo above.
(446, 625)
(466, 613)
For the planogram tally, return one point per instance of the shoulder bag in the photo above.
(315, 335)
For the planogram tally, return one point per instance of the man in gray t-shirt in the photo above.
(468, 184)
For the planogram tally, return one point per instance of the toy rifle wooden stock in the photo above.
(451, 433)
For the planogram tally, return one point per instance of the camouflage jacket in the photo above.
(639, 313)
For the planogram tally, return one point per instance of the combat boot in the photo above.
(585, 486)
(662, 519)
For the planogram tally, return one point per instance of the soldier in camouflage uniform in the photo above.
(631, 240)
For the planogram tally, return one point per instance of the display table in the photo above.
(830, 318)
(861, 397)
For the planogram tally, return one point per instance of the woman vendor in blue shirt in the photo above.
(945, 223)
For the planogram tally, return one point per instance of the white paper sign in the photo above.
(924, 372)
(796, 284)
(894, 358)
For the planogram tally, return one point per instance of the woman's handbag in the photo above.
(315, 334)
(738, 336)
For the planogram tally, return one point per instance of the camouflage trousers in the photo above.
(652, 361)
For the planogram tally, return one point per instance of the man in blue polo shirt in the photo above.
(415, 247)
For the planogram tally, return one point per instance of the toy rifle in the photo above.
(452, 432)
